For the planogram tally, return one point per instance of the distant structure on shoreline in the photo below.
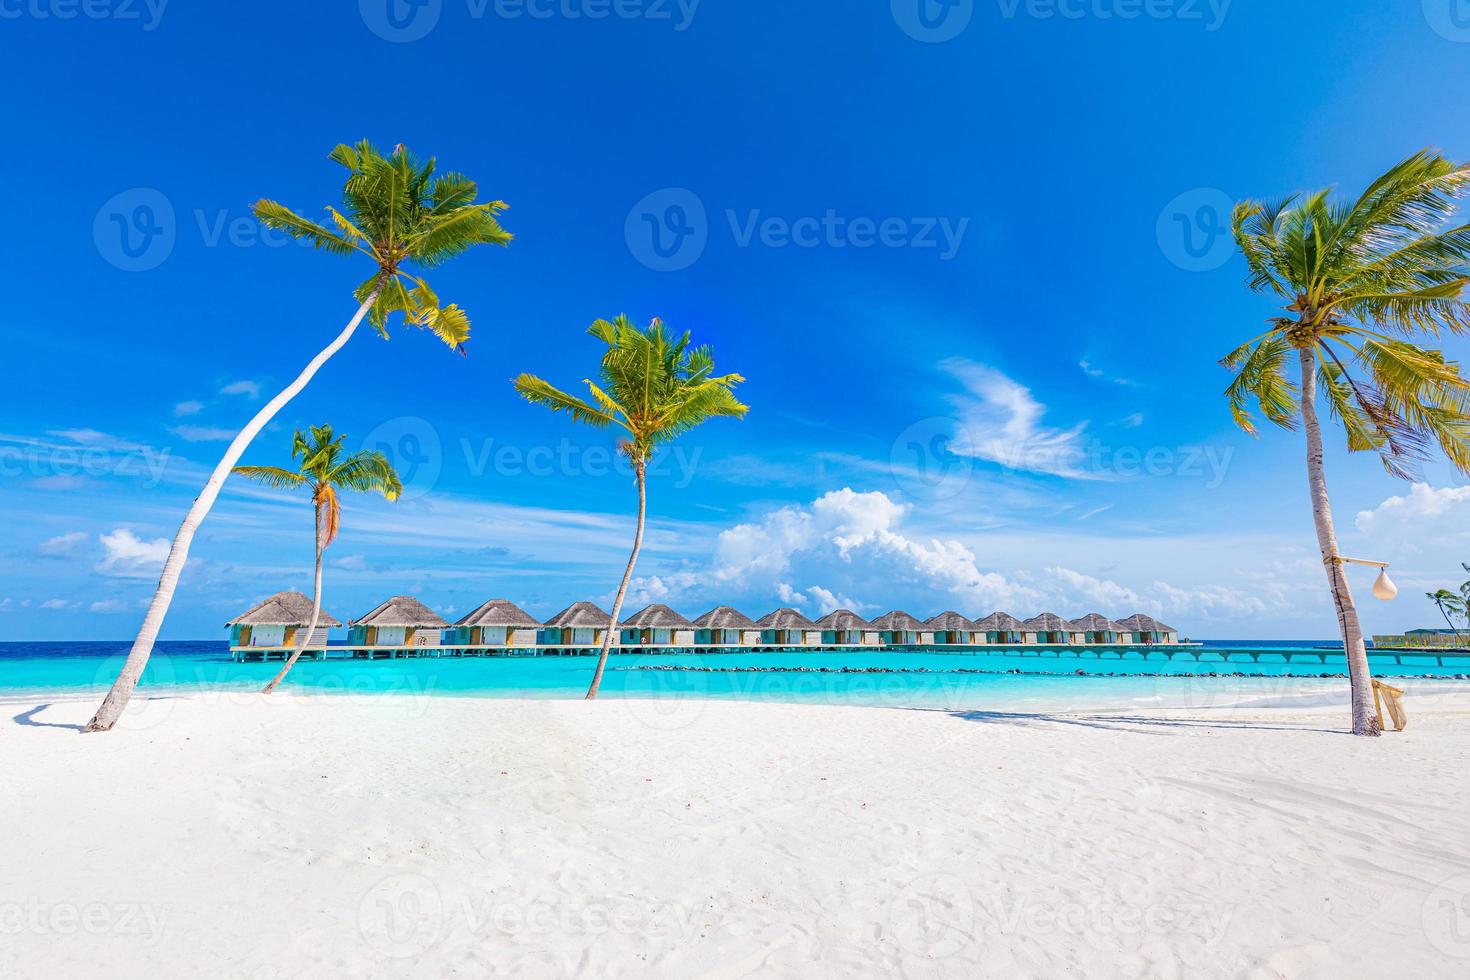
(404, 626)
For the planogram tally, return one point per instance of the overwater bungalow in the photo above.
(899, 629)
(845, 628)
(1145, 629)
(1001, 628)
(582, 624)
(400, 623)
(277, 622)
(1046, 628)
(656, 626)
(785, 627)
(952, 629)
(726, 626)
(497, 623)
(1095, 628)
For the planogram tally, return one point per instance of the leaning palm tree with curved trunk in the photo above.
(399, 214)
(324, 470)
(1362, 280)
(653, 387)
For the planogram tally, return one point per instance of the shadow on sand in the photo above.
(28, 718)
(1135, 724)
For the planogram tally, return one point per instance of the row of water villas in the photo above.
(404, 626)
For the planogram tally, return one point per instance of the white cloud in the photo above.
(188, 408)
(1132, 421)
(203, 433)
(108, 606)
(1093, 371)
(61, 546)
(58, 604)
(128, 556)
(250, 389)
(1001, 422)
(1426, 511)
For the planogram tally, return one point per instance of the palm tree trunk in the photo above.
(1365, 721)
(316, 612)
(122, 689)
(617, 608)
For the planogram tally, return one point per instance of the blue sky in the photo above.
(967, 262)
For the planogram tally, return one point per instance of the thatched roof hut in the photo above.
(950, 622)
(725, 618)
(1046, 623)
(1000, 622)
(897, 621)
(401, 610)
(1144, 623)
(657, 616)
(1094, 623)
(843, 620)
(499, 612)
(283, 609)
(785, 618)
(580, 615)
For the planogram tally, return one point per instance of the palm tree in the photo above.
(1448, 603)
(655, 388)
(324, 470)
(396, 212)
(1361, 280)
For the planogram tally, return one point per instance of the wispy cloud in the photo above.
(1000, 421)
(61, 546)
(1093, 371)
(183, 409)
(203, 433)
(249, 389)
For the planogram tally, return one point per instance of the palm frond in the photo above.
(272, 476)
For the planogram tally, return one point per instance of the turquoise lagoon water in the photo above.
(1206, 676)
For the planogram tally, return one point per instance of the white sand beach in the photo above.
(434, 837)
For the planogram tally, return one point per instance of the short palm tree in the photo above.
(1449, 605)
(397, 213)
(1362, 280)
(655, 388)
(324, 470)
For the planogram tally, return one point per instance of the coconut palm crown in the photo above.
(398, 212)
(650, 384)
(1358, 279)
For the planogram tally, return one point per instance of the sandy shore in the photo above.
(435, 837)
